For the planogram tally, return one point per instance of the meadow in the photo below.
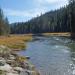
(15, 42)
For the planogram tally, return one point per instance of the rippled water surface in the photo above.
(52, 55)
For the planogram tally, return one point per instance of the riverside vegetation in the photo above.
(15, 41)
(10, 62)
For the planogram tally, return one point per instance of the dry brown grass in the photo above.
(15, 41)
(19, 41)
(58, 34)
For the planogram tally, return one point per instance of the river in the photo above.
(51, 55)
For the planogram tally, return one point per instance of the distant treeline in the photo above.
(53, 21)
(60, 20)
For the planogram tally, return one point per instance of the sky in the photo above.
(24, 10)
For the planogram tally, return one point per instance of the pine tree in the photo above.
(4, 24)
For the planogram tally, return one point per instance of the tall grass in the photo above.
(15, 41)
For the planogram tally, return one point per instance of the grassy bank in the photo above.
(16, 65)
(66, 34)
(15, 42)
(18, 42)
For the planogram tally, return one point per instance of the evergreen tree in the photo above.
(72, 14)
(4, 24)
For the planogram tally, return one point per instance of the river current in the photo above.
(52, 55)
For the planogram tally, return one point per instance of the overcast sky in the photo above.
(24, 10)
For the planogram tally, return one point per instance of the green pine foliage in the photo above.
(59, 20)
(4, 24)
(72, 14)
(53, 21)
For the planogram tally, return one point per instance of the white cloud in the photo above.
(45, 1)
(51, 1)
(40, 6)
(23, 13)
(50, 4)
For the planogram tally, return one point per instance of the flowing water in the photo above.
(52, 55)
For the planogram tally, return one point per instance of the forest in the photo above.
(4, 24)
(59, 20)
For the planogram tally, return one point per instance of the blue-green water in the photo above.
(51, 55)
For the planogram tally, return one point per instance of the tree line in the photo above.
(60, 20)
(53, 21)
(72, 14)
(4, 24)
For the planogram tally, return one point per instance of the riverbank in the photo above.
(10, 62)
(15, 42)
(65, 34)
(13, 64)
(18, 41)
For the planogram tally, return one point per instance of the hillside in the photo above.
(60, 20)
(53, 21)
